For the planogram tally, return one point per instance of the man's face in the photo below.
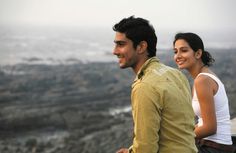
(125, 51)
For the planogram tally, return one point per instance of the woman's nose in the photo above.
(178, 54)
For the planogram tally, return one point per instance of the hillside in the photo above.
(77, 108)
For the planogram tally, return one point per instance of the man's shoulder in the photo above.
(161, 70)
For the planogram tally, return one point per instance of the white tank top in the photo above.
(223, 133)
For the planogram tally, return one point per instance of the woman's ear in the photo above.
(198, 53)
(142, 47)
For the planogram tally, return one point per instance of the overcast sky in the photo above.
(163, 14)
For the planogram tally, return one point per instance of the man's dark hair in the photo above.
(137, 30)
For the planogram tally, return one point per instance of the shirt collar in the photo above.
(144, 67)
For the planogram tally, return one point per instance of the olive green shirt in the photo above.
(162, 111)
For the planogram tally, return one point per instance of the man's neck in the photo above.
(140, 64)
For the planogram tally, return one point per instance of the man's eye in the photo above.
(122, 43)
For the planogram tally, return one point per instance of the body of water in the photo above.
(53, 45)
(65, 45)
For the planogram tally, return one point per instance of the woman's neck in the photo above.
(194, 71)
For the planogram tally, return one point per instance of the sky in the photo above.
(213, 20)
(163, 14)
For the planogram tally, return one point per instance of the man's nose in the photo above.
(115, 52)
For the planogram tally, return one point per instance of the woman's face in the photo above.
(184, 55)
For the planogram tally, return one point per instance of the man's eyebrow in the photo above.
(119, 41)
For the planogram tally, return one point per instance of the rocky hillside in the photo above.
(63, 108)
(77, 108)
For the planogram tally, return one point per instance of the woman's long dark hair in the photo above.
(195, 42)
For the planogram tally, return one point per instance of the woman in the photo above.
(210, 102)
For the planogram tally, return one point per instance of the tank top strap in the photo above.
(215, 78)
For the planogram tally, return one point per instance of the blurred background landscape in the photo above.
(61, 90)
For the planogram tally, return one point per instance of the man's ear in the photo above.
(142, 47)
(198, 54)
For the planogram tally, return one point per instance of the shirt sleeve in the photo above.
(146, 109)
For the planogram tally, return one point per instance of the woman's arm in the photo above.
(205, 89)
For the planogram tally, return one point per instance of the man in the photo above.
(161, 100)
